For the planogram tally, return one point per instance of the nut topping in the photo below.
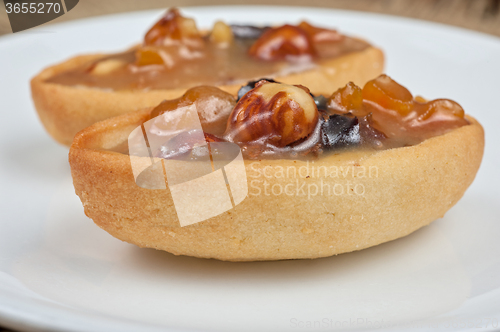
(213, 106)
(273, 113)
(275, 120)
(172, 29)
(105, 67)
(282, 43)
(221, 34)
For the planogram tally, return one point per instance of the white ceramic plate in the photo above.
(58, 271)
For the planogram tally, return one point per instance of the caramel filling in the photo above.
(175, 55)
(280, 121)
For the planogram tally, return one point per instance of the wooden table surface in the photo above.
(479, 15)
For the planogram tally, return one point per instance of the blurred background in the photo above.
(479, 15)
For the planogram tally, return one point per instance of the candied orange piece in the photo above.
(348, 98)
(146, 57)
(388, 94)
(282, 42)
(420, 99)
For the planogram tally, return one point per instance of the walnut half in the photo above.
(273, 113)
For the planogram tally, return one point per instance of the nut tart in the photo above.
(320, 175)
(176, 56)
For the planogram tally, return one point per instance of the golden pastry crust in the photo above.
(404, 189)
(65, 110)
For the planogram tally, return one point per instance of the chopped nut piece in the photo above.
(221, 34)
(172, 29)
(107, 66)
(282, 43)
(273, 113)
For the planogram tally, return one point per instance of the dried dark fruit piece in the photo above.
(340, 131)
(321, 102)
(247, 31)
